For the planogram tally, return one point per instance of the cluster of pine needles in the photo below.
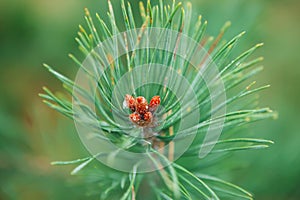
(188, 177)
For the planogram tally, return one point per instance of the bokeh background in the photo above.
(32, 135)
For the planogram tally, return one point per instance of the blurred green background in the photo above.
(32, 135)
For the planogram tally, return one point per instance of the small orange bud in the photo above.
(135, 117)
(141, 105)
(148, 117)
(154, 103)
(130, 102)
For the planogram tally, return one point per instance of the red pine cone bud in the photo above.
(135, 117)
(141, 105)
(154, 103)
(148, 117)
(130, 102)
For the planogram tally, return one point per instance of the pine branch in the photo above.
(174, 181)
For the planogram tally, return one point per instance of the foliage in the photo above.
(189, 177)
